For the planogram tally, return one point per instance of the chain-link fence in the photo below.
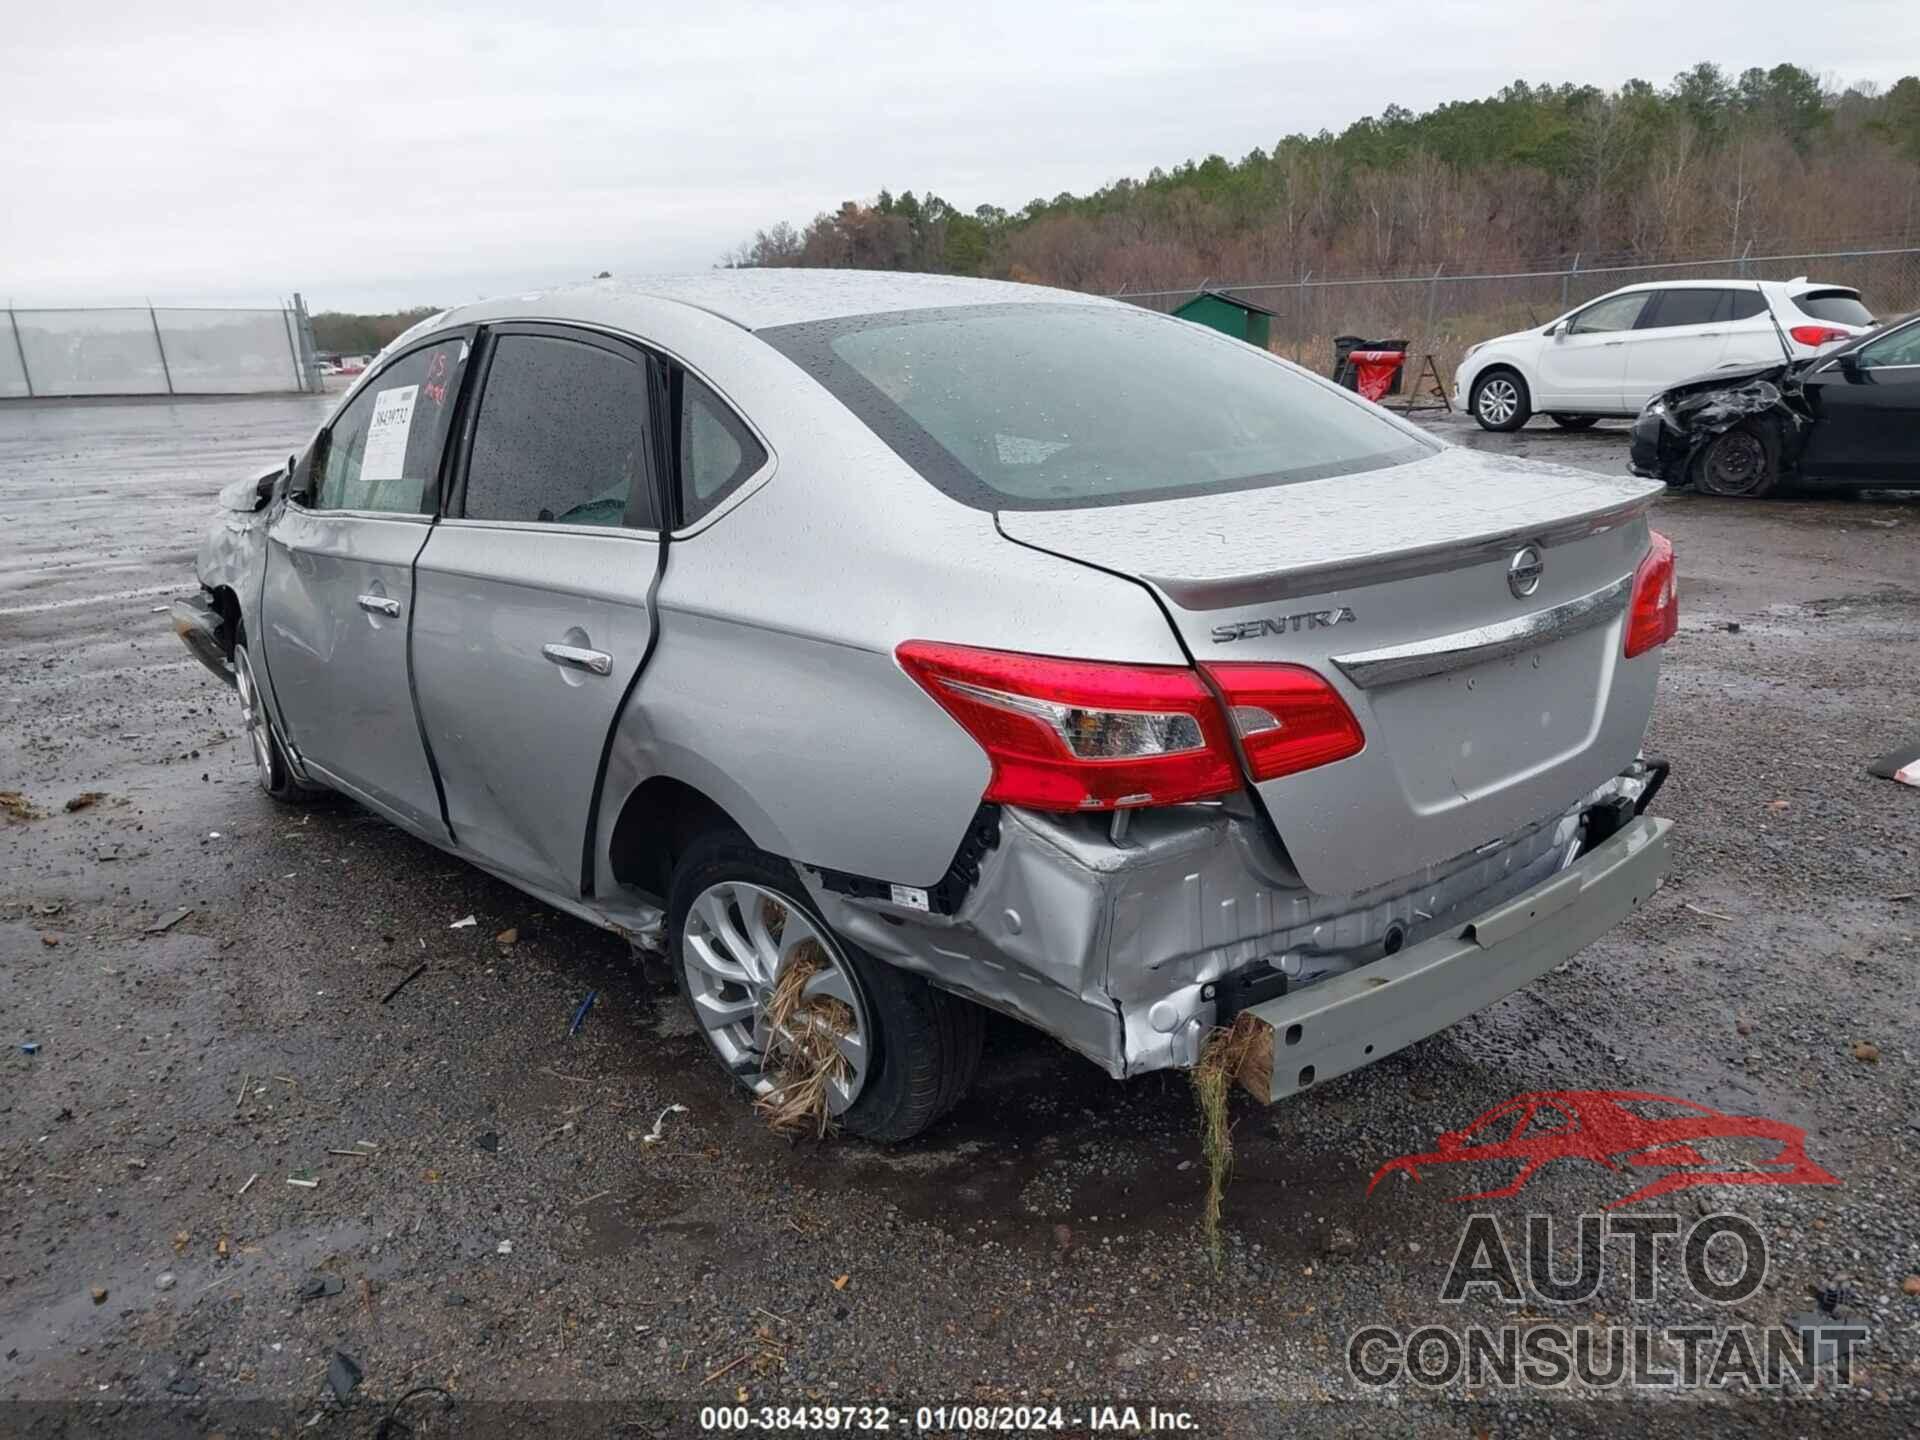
(1442, 313)
(152, 350)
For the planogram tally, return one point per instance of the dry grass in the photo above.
(801, 1056)
(15, 806)
(1229, 1057)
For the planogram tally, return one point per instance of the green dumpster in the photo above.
(1230, 315)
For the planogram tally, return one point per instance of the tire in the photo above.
(1739, 463)
(1575, 422)
(922, 1046)
(1499, 400)
(270, 765)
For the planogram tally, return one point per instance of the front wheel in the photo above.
(818, 1030)
(1499, 401)
(1575, 422)
(270, 766)
(1740, 463)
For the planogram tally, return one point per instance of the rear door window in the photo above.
(1839, 307)
(1747, 304)
(382, 453)
(1685, 307)
(561, 436)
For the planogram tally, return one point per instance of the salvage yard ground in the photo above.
(484, 1190)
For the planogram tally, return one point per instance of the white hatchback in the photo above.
(1612, 355)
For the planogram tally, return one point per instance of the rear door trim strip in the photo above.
(1397, 663)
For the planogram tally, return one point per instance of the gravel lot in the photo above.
(498, 1227)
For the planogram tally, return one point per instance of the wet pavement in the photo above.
(482, 1190)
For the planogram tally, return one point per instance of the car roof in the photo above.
(758, 299)
(1799, 285)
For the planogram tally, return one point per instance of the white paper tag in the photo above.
(385, 457)
(911, 897)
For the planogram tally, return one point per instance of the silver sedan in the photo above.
(886, 647)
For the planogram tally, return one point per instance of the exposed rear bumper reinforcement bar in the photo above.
(1343, 1023)
(203, 630)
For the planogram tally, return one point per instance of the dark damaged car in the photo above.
(1848, 418)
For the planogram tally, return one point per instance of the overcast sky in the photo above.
(374, 156)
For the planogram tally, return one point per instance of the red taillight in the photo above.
(1086, 735)
(1077, 734)
(1654, 616)
(1288, 718)
(1818, 334)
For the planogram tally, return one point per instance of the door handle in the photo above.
(597, 662)
(1609, 344)
(379, 605)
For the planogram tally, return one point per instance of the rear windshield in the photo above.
(1037, 407)
(1842, 307)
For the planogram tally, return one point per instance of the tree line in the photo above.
(1709, 164)
(338, 333)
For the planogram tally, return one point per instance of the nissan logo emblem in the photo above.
(1524, 570)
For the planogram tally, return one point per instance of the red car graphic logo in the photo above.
(1621, 1130)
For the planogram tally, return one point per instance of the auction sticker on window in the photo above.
(385, 457)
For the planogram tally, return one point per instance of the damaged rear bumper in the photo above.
(1357, 1018)
(203, 630)
(1130, 947)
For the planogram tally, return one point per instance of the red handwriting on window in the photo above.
(436, 382)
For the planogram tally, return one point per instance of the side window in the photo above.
(717, 452)
(561, 436)
(383, 451)
(1616, 313)
(1900, 348)
(1747, 304)
(1686, 307)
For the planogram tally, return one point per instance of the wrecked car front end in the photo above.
(1672, 434)
(227, 567)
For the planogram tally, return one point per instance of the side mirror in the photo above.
(1558, 329)
(1851, 367)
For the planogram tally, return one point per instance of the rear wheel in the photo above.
(1575, 422)
(1743, 462)
(893, 1054)
(1499, 400)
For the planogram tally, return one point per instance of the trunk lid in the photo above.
(1486, 706)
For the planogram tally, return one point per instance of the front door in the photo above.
(1584, 367)
(1869, 414)
(531, 613)
(339, 586)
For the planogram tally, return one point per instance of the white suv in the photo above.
(1612, 355)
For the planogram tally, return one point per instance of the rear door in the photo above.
(1869, 416)
(339, 585)
(1584, 367)
(532, 617)
(1681, 333)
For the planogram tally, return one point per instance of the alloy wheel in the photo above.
(1499, 400)
(740, 938)
(254, 720)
